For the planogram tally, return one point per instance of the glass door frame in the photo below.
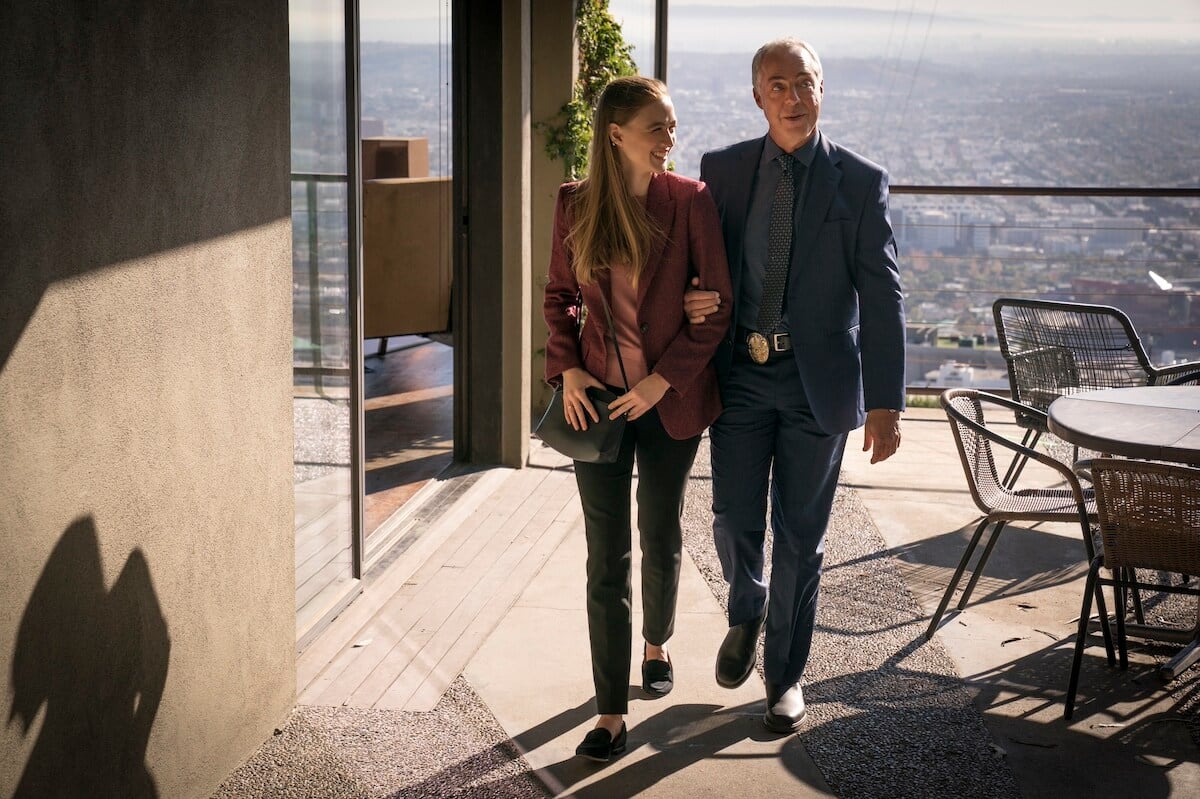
(332, 605)
(354, 266)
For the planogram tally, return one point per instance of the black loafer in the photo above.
(738, 652)
(599, 745)
(658, 677)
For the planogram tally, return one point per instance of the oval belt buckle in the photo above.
(756, 343)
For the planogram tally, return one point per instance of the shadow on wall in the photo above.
(97, 661)
(144, 126)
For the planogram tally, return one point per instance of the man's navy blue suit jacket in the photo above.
(844, 304)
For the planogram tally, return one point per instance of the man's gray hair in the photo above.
(785, 43)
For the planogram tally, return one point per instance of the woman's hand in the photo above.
(641, 398)
(576, 405)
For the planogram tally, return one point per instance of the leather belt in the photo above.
(761, 347)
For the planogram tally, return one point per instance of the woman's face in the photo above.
(645, 141)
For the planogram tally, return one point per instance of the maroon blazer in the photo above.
(680, 352)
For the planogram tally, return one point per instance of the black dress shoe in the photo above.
(599, 745)
(785, 707)
(738, 652)
(658, 677)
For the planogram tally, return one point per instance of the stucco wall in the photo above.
(146, 548)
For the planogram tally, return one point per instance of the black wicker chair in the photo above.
(1055, 348)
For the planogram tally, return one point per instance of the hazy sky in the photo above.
(866, 27)
(1055, 12)
(1179, 9)
(859, 25)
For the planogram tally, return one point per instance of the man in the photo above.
(816, 350)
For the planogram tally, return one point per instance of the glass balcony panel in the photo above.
(636, 18)
(1003, 95)
(959, 253)
(948, 99)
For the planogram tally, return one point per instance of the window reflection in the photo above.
(321, 311)
(407, 244)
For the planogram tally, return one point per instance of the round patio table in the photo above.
(1160, 423)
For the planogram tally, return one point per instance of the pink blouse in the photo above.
(624, 309)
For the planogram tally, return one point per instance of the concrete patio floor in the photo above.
(977, 711)
(1012, 646)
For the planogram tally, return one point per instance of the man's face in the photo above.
(788, 89)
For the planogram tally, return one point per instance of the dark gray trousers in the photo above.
(604, 489)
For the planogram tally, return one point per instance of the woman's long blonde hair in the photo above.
(610, 225)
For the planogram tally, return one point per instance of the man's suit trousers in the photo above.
(766, 436)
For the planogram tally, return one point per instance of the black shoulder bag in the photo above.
(601, 442)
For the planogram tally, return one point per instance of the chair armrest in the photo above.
(1009, 444)
(1017, 407)
(1180, 374)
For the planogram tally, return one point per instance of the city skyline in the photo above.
(1060, 119)
(1073, 122)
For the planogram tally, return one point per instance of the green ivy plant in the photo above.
(603, 55)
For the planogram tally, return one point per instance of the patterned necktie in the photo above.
(779, 248)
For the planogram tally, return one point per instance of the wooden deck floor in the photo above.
(408, 422)
(414, 628)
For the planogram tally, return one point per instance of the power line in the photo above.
(887, 48)
(895, 71)
(917, 69)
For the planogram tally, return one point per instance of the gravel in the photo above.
(888, 715)
(322, 437)
(456, 750)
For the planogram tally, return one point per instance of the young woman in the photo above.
(632, 234)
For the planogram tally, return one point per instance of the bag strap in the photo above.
(612, 331)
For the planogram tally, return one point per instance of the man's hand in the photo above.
(641, 398)
(697, 304)
(576, 405)
(881, 434)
